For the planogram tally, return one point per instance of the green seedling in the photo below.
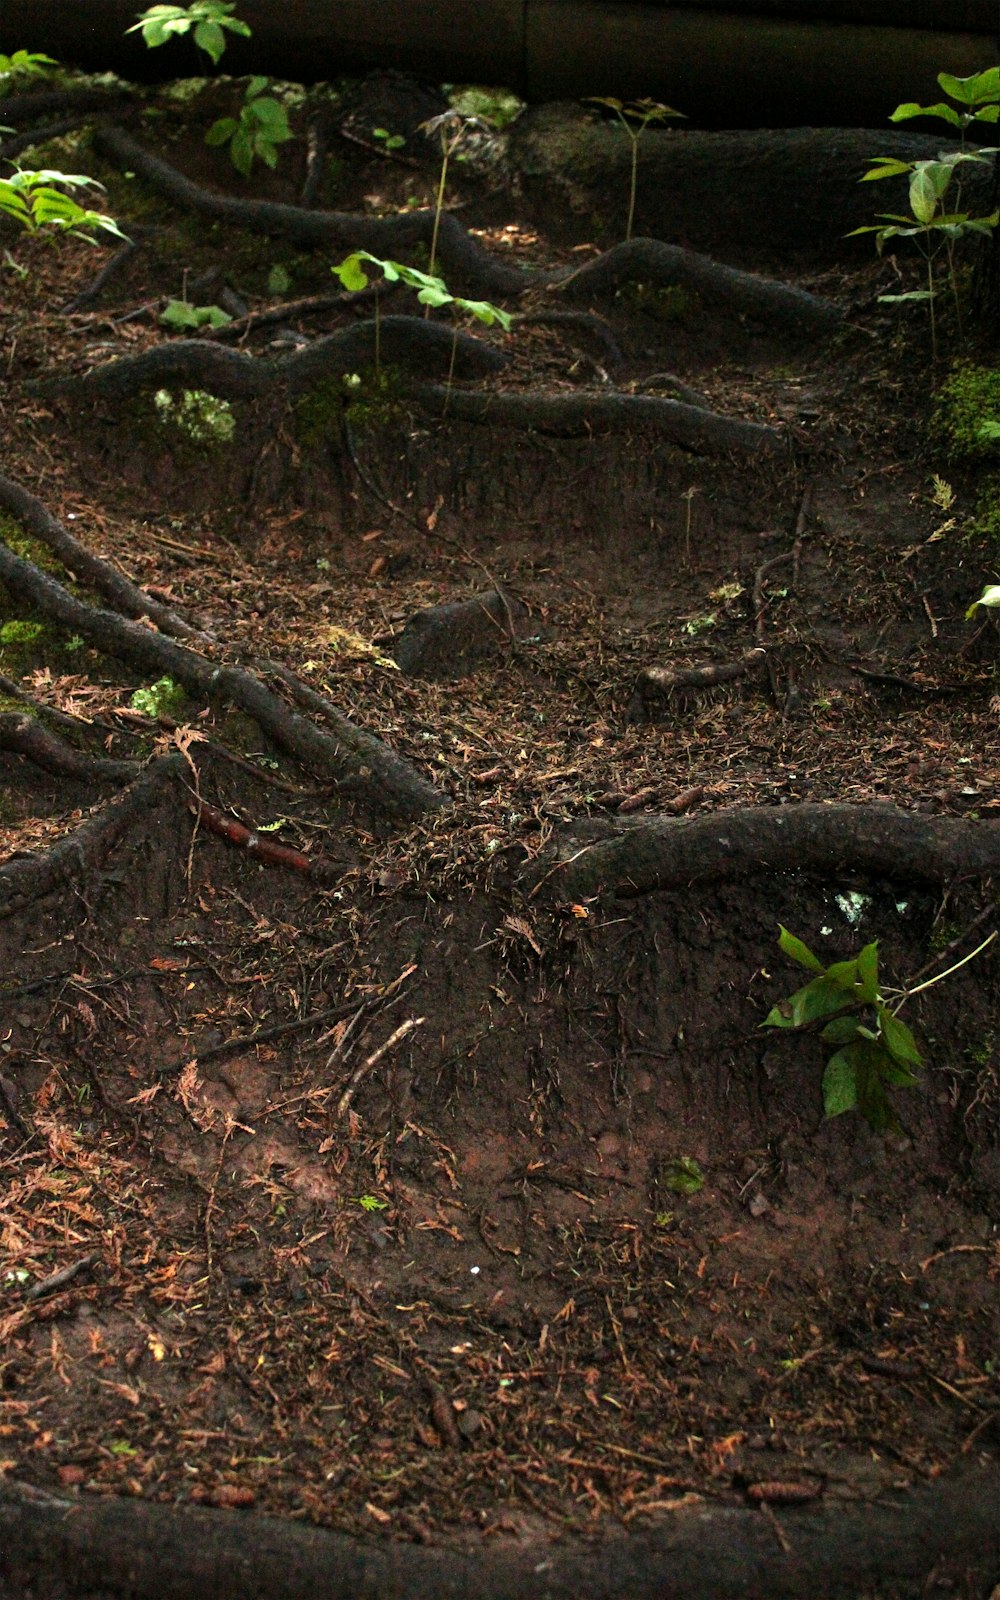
(389, 141)
(635, 116)
(936, 223)
(371, 1202)
(36, 200)
(495, 106)
(202, 418)
(990, 598)
(25, 64)
(875, 1052)
(182, 317)
(162, 699)
(260, 128)
(869, 1060)
(206, 20)
(431, 292)
(451, 128)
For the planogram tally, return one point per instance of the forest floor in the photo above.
(390, 1187)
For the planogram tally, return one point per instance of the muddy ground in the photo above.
(404, 1179)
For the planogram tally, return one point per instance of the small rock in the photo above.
(470, 1422)
(758, 1204)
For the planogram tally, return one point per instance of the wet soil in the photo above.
(407, 1197)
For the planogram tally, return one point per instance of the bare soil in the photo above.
(363, 1156)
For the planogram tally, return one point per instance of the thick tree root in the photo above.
(99, 575)
(834, 841)
(407, 342)
(582, 414)
(24, 735)
(465, 264)
(717, 287)
(471, 269)
(79, 854)
(946, 1533)
(358, 762)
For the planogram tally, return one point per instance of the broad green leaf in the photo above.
(351, 273)
(222, 131)
(845, 975)
(840, 1090)
(977, 89)
(433, 296)
(797, 951)
(898, 1040)
(255, 87)
(208, 36)
(485, 312)
(842, 1030)
(818, 999)
(928, 183)
(911, 109)
(268, 154)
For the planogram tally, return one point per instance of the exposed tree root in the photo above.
(358, 762)
(470, 268)
(78, 854)
(945, 1532)
(236, 375)
(661, 683)
(24, 735)
(99, 575)
(717, 286)
(832, 840)
(466, 265)
(580, 414)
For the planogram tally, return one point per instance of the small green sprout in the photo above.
(990, 598)
(635, 117)
(260, 128)
(180, 316)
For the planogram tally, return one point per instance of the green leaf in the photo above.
(222, 131)
(868, 973)
(351, 273)
(898, 1040)
(911, 109)
(977, 89)
(842, 1030)
(840, 1089)
(889, 167)
(255, 87)
(208, 36)
(990, 598)
(928, 184)
(241, 151)
(434, 296)
(797, 951)
(911, 294)
(485, 312)
(845, 975)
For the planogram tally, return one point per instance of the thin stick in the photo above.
(366, 1066)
